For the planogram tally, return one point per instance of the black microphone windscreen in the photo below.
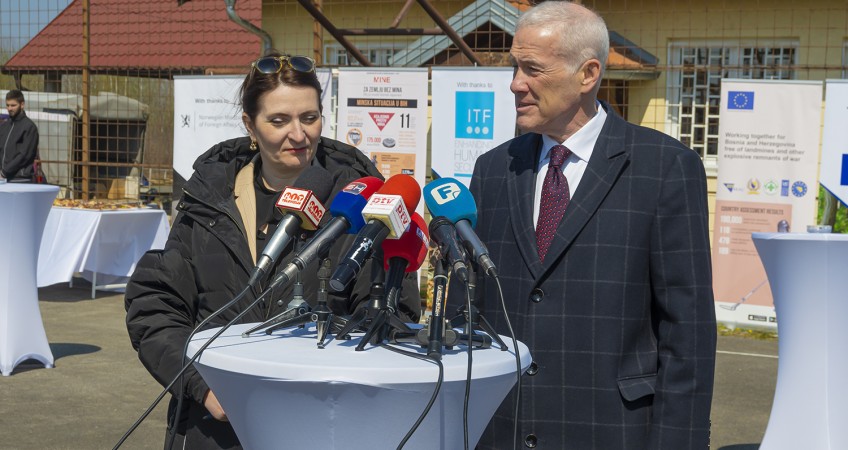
(318, 180)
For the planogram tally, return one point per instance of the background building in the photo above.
(664, 71)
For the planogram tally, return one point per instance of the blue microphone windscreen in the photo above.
(450, 198)
(350, 201)
(350, 207)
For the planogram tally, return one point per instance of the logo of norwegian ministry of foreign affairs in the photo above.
(799, 189)
(771, 187)
(753, 186)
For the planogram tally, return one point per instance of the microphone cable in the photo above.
(197, 354)
(469, 341)
(517, 363)
(433, 397)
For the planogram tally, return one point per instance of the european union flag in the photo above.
(740, 100)
(843, 178)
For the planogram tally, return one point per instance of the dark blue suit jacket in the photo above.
(619, 318)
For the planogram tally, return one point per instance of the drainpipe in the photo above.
(267, 43)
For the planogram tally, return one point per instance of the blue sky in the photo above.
(20, 20)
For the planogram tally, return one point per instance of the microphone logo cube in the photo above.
(355, 188)
(390, 210)
(303, 203)
(294, 198)
(314, 212)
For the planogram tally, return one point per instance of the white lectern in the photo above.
(807, 274)
(24, 209)
(281, 391)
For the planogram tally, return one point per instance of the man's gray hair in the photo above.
(583, 33)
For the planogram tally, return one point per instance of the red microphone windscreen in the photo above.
(411, 246)
(406, 187)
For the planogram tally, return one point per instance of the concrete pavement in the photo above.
(99, 388)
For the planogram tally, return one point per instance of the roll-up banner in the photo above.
(834, 160)
(473, 112)
(767, 166)
(383, 112)
(207, 111)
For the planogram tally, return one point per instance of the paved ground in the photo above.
(98, 388)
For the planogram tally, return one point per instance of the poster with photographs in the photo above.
(383, 112)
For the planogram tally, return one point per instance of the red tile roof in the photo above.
(144, 35)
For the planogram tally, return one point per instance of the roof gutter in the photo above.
(267, 43)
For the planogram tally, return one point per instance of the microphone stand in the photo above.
(470, 319)
(436, 333)
(321, 314)
(296, 308)
(379, 315)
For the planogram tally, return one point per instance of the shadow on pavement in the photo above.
(741, 447)
(62, 349)
(61, 292)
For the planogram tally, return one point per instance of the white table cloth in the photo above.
(104, 246)
(24, 209)
(807, 274)
(281, 391)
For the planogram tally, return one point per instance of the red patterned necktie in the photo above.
(555, 197)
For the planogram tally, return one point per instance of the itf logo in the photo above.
(446, 193)
(475, 115)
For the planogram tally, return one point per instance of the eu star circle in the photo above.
(799, 189)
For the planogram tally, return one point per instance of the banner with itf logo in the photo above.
(834, 160)
(768, 151)
(473, 112)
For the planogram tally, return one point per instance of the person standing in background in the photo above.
(599, 229)
(18, 141)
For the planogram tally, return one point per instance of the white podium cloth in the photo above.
(104, 246)
(281, 391)
(807, 274)
(24, 209)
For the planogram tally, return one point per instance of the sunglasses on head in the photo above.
(274, 64)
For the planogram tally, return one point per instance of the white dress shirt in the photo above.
(581, 145)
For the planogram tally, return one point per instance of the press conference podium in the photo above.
(808, 274)
(281, 391)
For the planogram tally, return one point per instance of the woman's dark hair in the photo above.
(257, 83)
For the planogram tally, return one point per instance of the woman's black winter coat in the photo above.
(206, 263)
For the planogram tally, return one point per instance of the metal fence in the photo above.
(665, 68)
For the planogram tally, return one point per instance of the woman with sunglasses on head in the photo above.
(225, 216)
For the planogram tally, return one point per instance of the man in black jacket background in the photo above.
(18, 141)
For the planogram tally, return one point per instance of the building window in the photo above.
(694, 84)
(379, 55)
(845, 60)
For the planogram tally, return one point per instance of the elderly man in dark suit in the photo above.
(599, 231)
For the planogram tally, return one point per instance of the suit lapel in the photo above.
(521, 179)
(605, 166)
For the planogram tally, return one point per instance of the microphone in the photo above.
(404, 255)
(346, 209)
(387, 215)
(444, 233)
(449, 198)
(302, 207)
